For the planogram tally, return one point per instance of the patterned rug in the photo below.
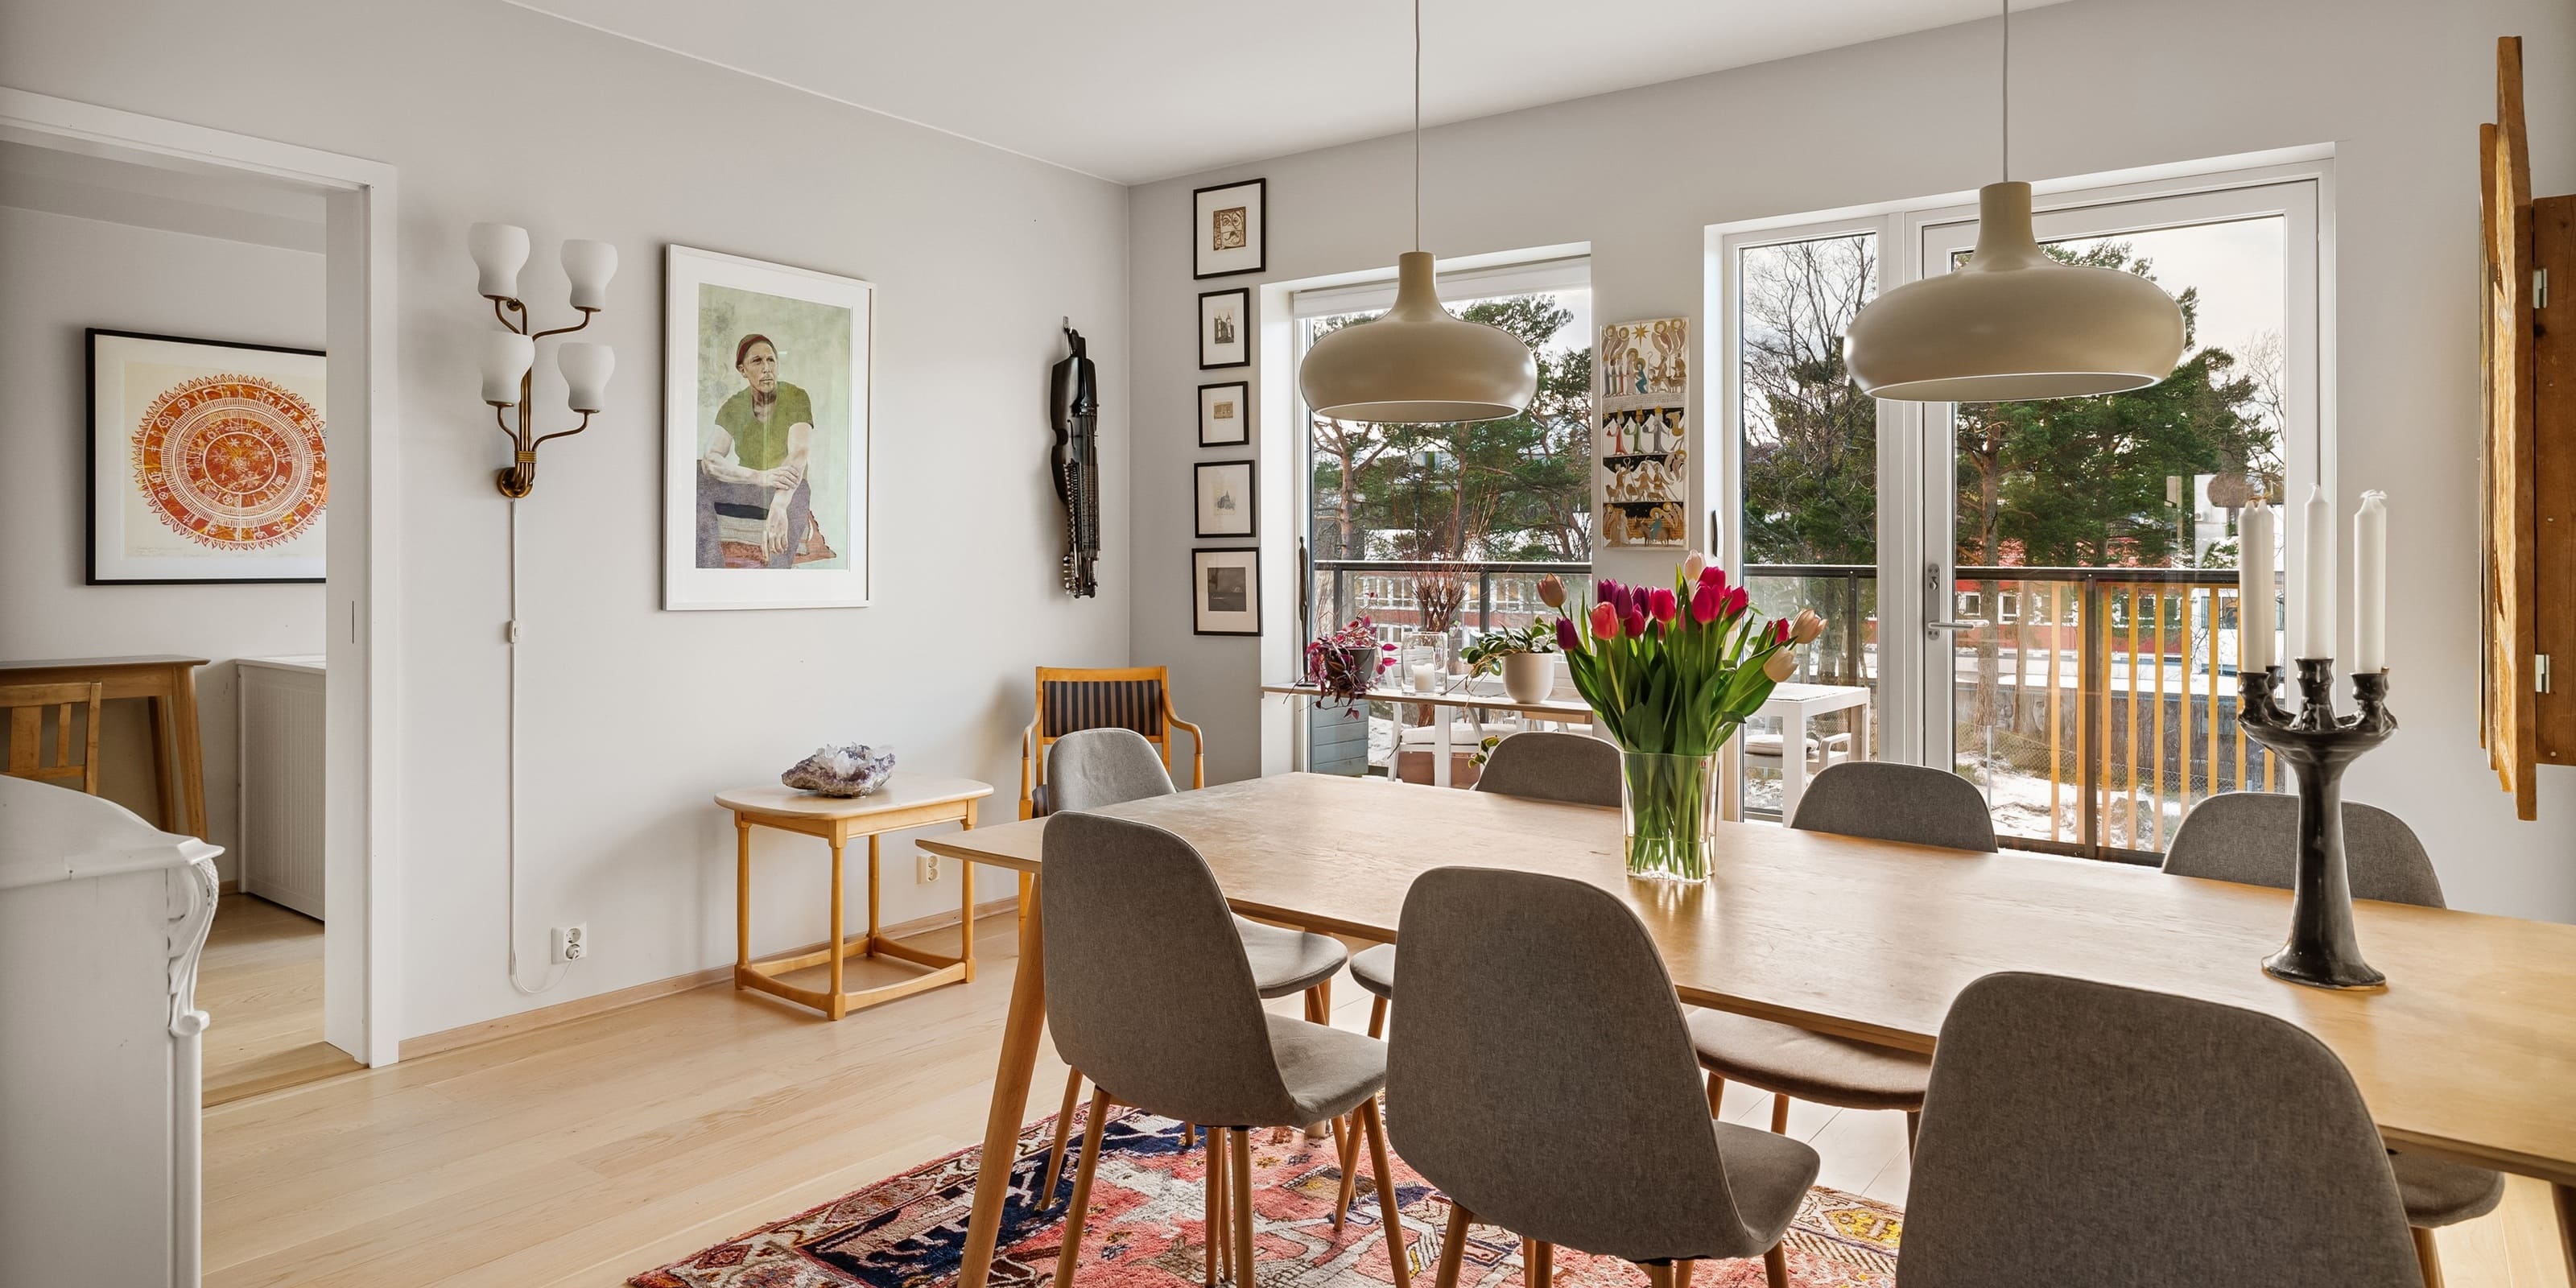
(1147, 1229)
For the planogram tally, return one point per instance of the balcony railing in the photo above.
(2093, 706)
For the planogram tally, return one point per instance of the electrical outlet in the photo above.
(572, 943)
(929, 868)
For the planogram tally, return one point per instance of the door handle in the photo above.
(1932, 626)
(1951, 626)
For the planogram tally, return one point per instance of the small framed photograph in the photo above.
(1230, 235)
(1225, 592)
(1225, 414)
(1224, 498)
(1225, 329)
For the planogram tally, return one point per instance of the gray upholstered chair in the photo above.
(1099, 767)
(2082, 1133)
(1542, 1078)
(1572, 768)
(1883, 801)
(2252, 838)
(1162, 1012)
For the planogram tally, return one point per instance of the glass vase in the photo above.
(1668, 810)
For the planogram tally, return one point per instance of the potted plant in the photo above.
(1344, 664)
(1673, 674)
(1526, 657)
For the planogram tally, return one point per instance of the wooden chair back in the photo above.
(1072, 699)
(26, 704)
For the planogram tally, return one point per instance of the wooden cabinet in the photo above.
(281, 729)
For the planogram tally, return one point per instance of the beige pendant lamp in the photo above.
(1415, 364)
(2012, 324)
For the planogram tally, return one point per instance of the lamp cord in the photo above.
(554, 975)
(2006, 78)
(1417, 124)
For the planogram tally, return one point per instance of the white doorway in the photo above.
(359, 642)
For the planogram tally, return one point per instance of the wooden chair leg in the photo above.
(1453, 1246)
(1081, 1209)
(1716, 1096)
(1539, 1269)
(1239, 1188)
(1658, 1276)
(1350, 1170)
(1913, 1125)
(1682, 1273)
(1377, 1017)
(1775, 1266)
(1779, 1115)
(1390, 1212)
(2427, 1256)
(1219, 1215)
(1319, 1010)
(1063, 1132)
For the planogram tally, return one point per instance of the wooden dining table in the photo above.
(2469, 1053)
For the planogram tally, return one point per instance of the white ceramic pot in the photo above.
(1529, 677)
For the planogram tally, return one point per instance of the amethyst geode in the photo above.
(850, 769)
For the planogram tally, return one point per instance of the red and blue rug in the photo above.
(1148, 1230)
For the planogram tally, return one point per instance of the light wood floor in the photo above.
(588, 1151)
(260, 984)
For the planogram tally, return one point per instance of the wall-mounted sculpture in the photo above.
(1075, 404)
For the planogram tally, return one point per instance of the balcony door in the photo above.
(2038, 596)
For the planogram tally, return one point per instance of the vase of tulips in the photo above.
(1673, 674)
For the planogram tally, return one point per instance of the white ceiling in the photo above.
(1137, 90)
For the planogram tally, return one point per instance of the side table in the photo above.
(904, 802)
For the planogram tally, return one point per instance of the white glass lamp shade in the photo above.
(500, 251)
(585, 372)
(589, 265)
(1417, 364)
(506, 357)
(2013, 324)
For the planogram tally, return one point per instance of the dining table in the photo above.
(2468, 1053)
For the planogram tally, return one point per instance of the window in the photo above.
(1448, 528)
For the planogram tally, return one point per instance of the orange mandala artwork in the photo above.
(232, 462)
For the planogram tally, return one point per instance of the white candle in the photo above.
(2254, 588)
(1422, 673)
(2370, 584)
(2317, 601)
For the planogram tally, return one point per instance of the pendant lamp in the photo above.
(1416, 364)
(2013, 324)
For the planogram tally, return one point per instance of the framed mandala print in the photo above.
(206, 461)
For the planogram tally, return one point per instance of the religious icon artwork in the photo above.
(1642, 446)
(1228, 226)
(1224, 498)
(1225, 325)
(207, 461)
(765, 434)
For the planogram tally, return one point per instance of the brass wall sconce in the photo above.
(508, 357)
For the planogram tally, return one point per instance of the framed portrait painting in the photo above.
(1225, 414)
(1224, 498)
(1225, 329)
(765, 434)
(1225, 592)
(207, 461)
(1228, 224)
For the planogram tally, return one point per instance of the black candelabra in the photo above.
(2319, 744)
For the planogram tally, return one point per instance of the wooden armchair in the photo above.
(1072, 699)
(26, 705)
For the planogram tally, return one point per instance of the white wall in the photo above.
(2397, 87)
(58, 275)
(633, 717)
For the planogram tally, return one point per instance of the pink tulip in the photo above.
(1736, 599)
(1713, 575)
(1706, 603)
(1780, 631)
(1661, 604)
(1635, 624)
(1605, 622)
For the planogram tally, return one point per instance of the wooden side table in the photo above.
(903, 803)
(169, 683)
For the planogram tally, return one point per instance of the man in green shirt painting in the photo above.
(754, 469)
